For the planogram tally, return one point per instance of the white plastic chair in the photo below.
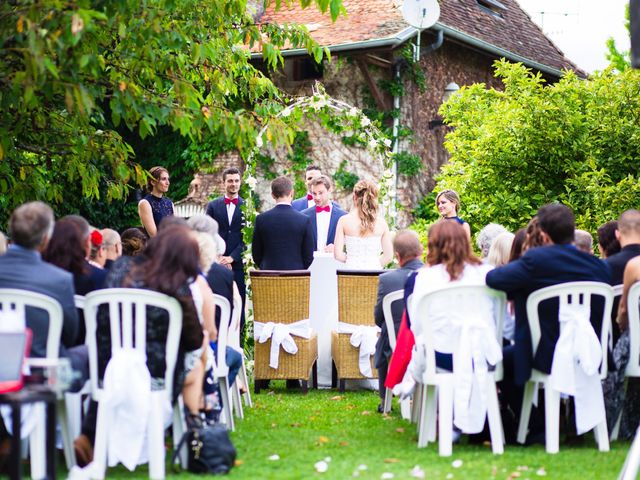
(387, 301)
(617, 292)
(221, 370)
(580, 292)
(128, 332)
(16, 300)
(233, 341)
(441, 383)
(74, 400)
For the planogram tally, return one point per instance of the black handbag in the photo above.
(209, 447)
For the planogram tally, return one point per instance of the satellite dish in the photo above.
(421, 13)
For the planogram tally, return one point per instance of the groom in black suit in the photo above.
(324, 214)
(282, 237)
(227, 212)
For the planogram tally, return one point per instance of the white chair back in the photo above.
(79, 301)
(460, 297)
(223, 331)
(15, 300)
(128, 325)
(233, 339)
(387, 301)
(572, 293)
(186, 210)
(633, 312)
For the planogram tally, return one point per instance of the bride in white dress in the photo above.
(364, 234)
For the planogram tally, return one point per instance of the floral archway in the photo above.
(337, 117)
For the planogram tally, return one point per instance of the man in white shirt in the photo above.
(324, 214)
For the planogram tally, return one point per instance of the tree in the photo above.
(619, 60)
(71, 72)
(576, 141)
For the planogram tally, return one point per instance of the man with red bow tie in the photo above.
(227, 212)
(305, 202)
(324, 214)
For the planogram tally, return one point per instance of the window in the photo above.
(493, 7)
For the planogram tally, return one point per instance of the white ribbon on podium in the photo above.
(281, 335)
(576, 361)
(365, 338)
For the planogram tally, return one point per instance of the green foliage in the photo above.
(72, 73)
(577, 141)
(619, 60)
(409, 164)
(344, 179)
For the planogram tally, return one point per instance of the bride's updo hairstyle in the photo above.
(449, 245)
(365, 198)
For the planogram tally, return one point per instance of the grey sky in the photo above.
(580, 28)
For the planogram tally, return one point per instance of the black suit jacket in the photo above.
(24, 269)
(230, 233)
(336, 213)
(282, 240)
(538, 268)
(220, 280)
(387, 283)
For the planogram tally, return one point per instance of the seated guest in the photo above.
(617, 401)
(408, 251)
(486, 236)
(66, 250)
(583, 241)
(169, 263)
(97, 255)
(557, 262)
(31, 226)
(112, 245)
(499, 255)
(90, 239)
(517, 246)
(134, 242)
(607, 241)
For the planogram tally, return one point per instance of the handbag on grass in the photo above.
(209, 447)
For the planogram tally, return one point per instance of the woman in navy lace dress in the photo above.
(155, 206)
(448, 204)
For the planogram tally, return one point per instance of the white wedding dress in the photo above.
(363, 253)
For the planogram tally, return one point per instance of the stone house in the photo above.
(367, 47)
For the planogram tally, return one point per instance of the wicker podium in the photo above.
(357, 295)
(283, 297)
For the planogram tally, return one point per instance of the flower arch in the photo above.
(338, 117)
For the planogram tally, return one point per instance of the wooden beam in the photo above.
(377, 94)
(378, 61)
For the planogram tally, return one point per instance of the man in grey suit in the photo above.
(22, 267)
(408, 251)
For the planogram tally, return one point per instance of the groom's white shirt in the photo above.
(322, 224)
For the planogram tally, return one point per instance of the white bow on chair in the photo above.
(365, 338)
(281, 334)
(476, 348)
(576, 361)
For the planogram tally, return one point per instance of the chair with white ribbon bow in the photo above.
(353, 343)
(281, 319)
(579, 361)
(467, 395)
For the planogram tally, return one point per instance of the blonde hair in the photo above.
(500, 249)
(208, 250)
(365, 198)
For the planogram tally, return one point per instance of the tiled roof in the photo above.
(370, 20)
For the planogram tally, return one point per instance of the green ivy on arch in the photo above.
(337, 117)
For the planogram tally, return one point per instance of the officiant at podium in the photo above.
(324, 214)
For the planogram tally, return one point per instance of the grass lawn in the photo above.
(346, 431)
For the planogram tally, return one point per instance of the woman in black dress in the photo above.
(154, 206)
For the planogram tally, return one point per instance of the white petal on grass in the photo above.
(362, 467)
(541, 472)
(327, 459)
(417, 472)
(387, 476)
(449, 475)
(274, 457)
(456, 463)
(321, 466)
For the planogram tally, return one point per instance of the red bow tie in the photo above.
(228, 200)
(309, 196)
(323, 209)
